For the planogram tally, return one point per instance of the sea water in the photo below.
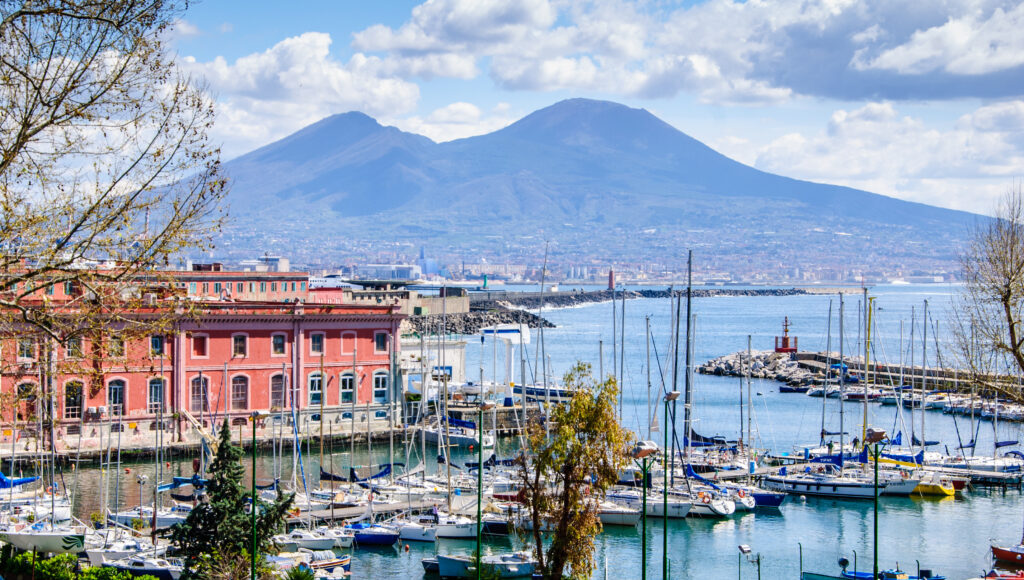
(950, 536)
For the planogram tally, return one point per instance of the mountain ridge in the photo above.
(597, 165)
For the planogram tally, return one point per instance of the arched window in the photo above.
(347, 381)
(73, 400)
(156, 395)
(277, 392)
(199, 399)
(380, 387)
(115, 397)
(239, 393)
(316, 388)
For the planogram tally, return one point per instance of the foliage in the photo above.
(567, 472)
(106, 172)
(215, 565)
(299, 573)
(988, 323)
(219, 529)
(62, 567)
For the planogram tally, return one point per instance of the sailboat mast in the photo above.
(688, 403)
(622, 353)
(842, 381)
(924, 371)
(867, 363)
(750, 399)
(828, 370)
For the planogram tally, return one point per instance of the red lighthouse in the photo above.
(782, 343)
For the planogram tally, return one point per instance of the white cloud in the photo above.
(877, 149)
(969, 45)
(226, 28)
(456, 121)
(730, 51)
(268, 95)
(183, 29)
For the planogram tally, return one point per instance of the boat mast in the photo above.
(924, 372)
(750, 399)
(867, 363)
(828, 370)
(842, 382)
(688, 404)
(622, 353)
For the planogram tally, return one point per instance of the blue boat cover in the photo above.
(8, 483)
(693, 474)
(461, 423)
(195, 481)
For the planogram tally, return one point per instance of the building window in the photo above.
(278, 344)
(69, 288)
(156, 345)
(316, 389)
(239, 287)
(252, 287)
(115, 346)
(206, 288)
(51, 289)
(263, 286)
(199, 401)
(239, 348)
(191, 287)
(273, 286)
(26, 348)
(73, 400)
(115, 397)
(73, 347)
(316, 343)
(156, 396)
(199, 345)
(293, 286)
(348, 343)
(239, 393)
(302, 286)
(380, 388)
(380, 342)
(347, 384)
(216, 287)
(277, 392)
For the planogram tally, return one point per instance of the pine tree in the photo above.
(221, 525)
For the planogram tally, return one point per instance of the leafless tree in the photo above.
(989, 313)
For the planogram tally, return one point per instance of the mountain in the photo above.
(596, 179)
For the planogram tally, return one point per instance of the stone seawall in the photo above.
(472, 322)
(761, 365)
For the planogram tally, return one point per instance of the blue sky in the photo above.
(918, 100)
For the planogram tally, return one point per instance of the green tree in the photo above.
(567, 472)
(219, 529)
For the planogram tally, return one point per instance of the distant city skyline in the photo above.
(917, 101)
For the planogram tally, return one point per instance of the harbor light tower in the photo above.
(785, 343)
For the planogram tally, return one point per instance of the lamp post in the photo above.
(669, 397)
(640, 452)
(872, 441)
(485, 406)
(755, 559)
(252, 507)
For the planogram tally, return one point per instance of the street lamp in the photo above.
(640, 451)
(745, 550)
(874, 438)
(669, 397)
(252, 507)
(485, 406)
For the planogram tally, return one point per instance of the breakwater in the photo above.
(569, 298)
(472, 322)
(760, 364)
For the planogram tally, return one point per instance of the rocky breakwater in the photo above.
(761, 365)
(570, 298)
(471, 322)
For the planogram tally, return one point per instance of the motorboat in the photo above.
(45, 537)
(299, 538)
(825, 483)
(368, 534)
(159, 568)
(510, 565)
(342, 537)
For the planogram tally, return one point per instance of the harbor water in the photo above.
(949, 536)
